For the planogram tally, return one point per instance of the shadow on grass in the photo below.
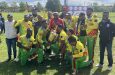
(100, 72)
(53, 67)
(49, 67)
(12, 68)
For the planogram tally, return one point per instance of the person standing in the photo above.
(23, 25)
(80, 28)
(11, 34)
(106, 28)
(56, 21)
(92, 31)
(70, 21)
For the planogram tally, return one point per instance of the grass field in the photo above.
(50, 67)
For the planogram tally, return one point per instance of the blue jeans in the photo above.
(11, 44)
(107, 45)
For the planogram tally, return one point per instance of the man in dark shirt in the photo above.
(106, 28)
(41, 21)
(63, 14)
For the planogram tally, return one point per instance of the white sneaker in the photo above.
(16, 59)
(99, 65)
(109, 68)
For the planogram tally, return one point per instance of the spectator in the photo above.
(11, 35)
(106, 29)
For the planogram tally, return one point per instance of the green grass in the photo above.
(50, 67)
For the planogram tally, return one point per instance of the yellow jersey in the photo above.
(92, 25)
(78, 50)
(26, 42)
(39, 37)
(70, 23)
(23, 26)
(63, 35)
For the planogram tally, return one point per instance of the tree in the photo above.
(14, 6)
(49, 5)
(39, 6)
(113, 9)
(57, 5)
(95, 7)
(53, 5)
(22, 6)
(3, 5)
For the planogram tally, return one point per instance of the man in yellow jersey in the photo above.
(62, 45)
(41, 41)
(23, 25)
(77, 53)
(70, 21)
(68, 54)
(92, 31)
(25, 43)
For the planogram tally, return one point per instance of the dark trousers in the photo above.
(108, 46)
(11, 44)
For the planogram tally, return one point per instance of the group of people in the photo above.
(71, 38)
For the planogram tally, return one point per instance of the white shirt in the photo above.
(10, 30)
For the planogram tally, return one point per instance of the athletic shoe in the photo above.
(16, 59)
(109, 68)
(99, 65)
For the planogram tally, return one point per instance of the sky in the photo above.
(70, 2)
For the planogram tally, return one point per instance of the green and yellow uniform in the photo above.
(23, 26)
(68, 46)
(82, 33)
(92, 31)
(92, 26)
(78, 50)
(63, 36)
(70, 23)
(78, 56)
(40, 39)
(24, 54)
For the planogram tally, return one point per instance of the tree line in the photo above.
(51, 5)
(102, 7)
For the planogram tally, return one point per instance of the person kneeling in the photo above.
(77, 53)
(25, 45)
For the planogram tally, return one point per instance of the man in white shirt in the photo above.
(11, 34)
